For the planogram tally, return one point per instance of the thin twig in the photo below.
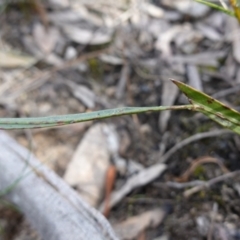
(145, 176)
(178, 185)
(201, 160)
(213, 215)
(191, 139)
(209, 183)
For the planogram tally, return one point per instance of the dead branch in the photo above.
(55, 210)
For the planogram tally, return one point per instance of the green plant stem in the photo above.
(52, 121)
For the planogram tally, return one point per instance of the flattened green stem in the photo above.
(53, 121)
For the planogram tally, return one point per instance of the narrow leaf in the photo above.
(53, 121)
(214, 109)
(217, 7)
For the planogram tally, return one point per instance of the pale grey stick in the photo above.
(191, 139)
(210, 182)
(54, 209)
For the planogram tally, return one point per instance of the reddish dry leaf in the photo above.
(87, 169)
(109, 183)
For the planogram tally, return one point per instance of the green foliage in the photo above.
(214, 109)
(53, 121)
(234, 3)
(201, 102)
(217, 7)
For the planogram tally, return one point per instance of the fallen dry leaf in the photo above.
(12, 59)
(191, 8)
(133, 226)
(152, 10)
(139, 179)
(83, 93)
(86, 36)
(109, 183)
(88, 167)
(169, 94)
(194, 78)
(45, 39)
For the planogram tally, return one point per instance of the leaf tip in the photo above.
(174, 81)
